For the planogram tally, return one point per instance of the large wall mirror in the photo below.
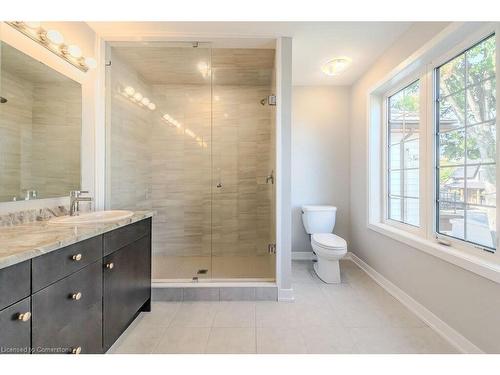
(40, 129)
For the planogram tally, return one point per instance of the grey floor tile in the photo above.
(235, 314)
(280, 340)
(195, 314)
(231, 340)
(356, 316)
(183, 340)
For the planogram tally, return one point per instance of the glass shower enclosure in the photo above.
(190, 131)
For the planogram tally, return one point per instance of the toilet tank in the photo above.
(318, 219)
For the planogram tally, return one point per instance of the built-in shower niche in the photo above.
(202, 156)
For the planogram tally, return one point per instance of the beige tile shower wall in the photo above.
(57, 120)
(15, 136)
(242, 154)
(239, 218)
(129, 142)
(182, 170)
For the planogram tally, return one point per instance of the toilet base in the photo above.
(328, 270)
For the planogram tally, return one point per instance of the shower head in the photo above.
(3, 100)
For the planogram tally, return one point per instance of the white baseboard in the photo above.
(448, 333)
(285, 295)
(303, 255)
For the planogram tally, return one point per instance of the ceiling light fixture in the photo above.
(336, 66)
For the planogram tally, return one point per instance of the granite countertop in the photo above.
(26, 241)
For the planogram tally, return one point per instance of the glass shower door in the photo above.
(159, 148)
(243, 165)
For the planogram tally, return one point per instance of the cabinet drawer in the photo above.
(14, 283)
(53, 266)
(15, 328)
(121, 237)
(62, 321)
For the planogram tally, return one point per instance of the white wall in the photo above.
(320, 156)
(465, 301)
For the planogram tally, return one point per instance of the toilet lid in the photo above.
(329, 240)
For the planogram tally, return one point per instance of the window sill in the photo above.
(488, 268)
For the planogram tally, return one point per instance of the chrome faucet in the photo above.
(74, 201)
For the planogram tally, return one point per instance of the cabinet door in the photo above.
(67, 315)
(15, 328)
(127, 287)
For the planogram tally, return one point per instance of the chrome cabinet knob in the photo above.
(24, 317)
(76, 350)
(77, 257)
(76, 296)
(110, 266)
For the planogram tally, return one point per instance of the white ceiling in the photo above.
(313, 42)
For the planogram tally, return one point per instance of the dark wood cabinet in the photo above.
(73, 300)
(54, 266)
(67, 314)
(127, 287)
(14, 283)
(15, 329)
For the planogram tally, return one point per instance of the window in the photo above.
(403, 140)
(466, 146)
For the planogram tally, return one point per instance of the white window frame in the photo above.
(421, 229)
(452, 41)
(458, 50)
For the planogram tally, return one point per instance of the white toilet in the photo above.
(319, 222)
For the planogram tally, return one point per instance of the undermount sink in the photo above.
(93, 217)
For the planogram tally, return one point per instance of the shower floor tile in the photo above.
(218, 267)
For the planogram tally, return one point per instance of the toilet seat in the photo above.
(329, 242)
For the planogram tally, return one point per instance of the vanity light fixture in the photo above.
(75, 51)
(53, 40)
(90, 62)
(54, 37)
(336, 66)
(33, 25)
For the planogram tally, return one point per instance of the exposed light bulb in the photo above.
(152, 106)
(145, 101)
(90, 62)
(55, 36)
(129, 90)
(74, 51)
(138, 96)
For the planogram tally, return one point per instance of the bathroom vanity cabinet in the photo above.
(80, 298)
